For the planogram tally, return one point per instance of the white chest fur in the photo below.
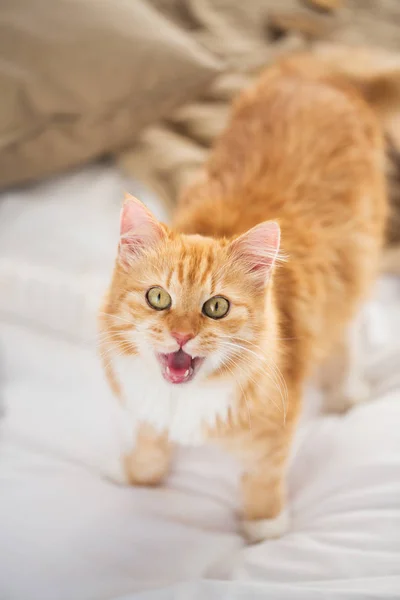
(184, 410)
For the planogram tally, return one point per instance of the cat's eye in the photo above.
(158, 298)
(216, 307)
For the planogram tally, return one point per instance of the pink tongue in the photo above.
(179, 362)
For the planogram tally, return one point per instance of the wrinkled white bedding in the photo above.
(68, 533)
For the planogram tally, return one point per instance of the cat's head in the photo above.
(191, 307)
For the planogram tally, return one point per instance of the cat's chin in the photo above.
(179, 367)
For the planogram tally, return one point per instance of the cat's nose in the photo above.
(182, 338)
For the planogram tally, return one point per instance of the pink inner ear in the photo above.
(258, 248)
(139, 229)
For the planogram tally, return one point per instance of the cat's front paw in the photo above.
(266, 529)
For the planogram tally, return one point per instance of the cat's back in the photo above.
(300, 147)
(299, 139)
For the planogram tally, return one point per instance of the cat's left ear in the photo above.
(139, 230)
(257, 250)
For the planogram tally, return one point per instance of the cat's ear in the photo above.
(257, 250)
(139, 230)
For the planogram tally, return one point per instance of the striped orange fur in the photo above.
(302, 150)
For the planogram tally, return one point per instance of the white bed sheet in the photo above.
(68, 533)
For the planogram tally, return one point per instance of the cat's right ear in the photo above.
(139, 230)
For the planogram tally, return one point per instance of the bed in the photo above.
(70, 529)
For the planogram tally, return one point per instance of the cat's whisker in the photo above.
(277, 373)
(261, 357)
(108, 351)
(112, 316)
(251, 378)
(115, 330)
(115, 341)
(281, 379)
(244, 396)
(272, 376)
(109, 335)
(113, 338)
(112, 355)
(247, 371)
(93, 339)
(242, 339)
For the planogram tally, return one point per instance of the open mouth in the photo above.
(179, 367)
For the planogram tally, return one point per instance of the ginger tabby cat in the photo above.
(211, 328)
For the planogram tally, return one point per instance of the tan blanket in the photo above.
(80, 79)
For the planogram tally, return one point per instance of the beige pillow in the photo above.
(81, 78)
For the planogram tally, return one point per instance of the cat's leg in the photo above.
(263, 450)
(265, 514)
(150, 460)
(342, 376)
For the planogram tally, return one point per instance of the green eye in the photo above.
(216, 307)
(158, 298)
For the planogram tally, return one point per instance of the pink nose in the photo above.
(182, 338)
